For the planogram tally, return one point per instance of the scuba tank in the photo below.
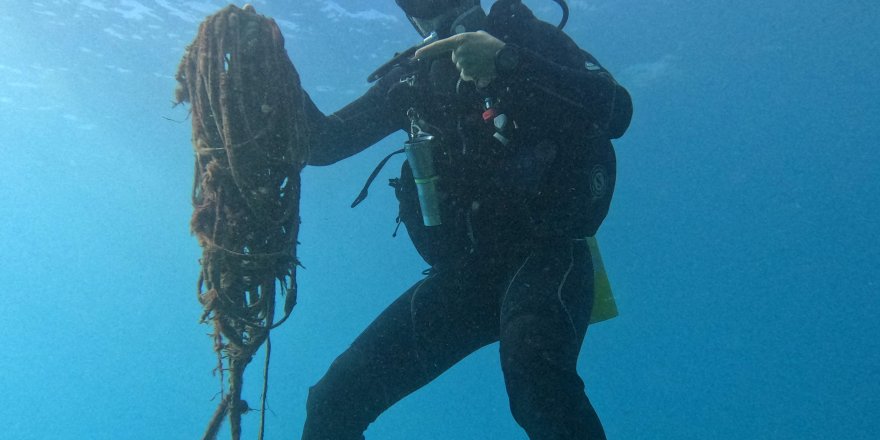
(419, 149)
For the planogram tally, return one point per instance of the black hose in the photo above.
(562, 4)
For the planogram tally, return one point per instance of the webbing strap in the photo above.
(363, 195)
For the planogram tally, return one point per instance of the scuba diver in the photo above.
(509, 168)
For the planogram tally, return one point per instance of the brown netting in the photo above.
(250, 143)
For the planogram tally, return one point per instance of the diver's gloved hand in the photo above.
(472, 52)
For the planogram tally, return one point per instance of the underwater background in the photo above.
(742, 242)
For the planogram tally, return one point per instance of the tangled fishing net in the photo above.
(250, 143)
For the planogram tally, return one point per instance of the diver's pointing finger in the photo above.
(439, 47)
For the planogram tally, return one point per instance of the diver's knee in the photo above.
(320, 405)
(328, 416)
(328, 394)
(317, 398)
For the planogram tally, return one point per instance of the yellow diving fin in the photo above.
(604, 307)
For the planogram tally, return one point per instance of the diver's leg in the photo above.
(544, 317)
(424, 332)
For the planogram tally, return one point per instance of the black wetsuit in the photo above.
(509, 262)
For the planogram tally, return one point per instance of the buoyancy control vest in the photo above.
(543, 180)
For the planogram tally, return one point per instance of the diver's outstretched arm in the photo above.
(353, 128)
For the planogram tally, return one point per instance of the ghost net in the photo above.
(250, 143)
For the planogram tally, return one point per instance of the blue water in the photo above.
(742, 243)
